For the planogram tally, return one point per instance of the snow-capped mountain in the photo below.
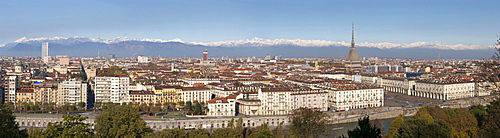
(259, 42)
(127, 47)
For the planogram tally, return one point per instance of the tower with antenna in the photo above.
(352, 60)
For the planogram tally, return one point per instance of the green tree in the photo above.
(34, 132)
(307, 123)
(239, 125)
(491, 125)
(479, 112)
(189, 106)
(120, 121)
(197, 109)
(167, 133)
(199, 133)
(8, 125)
(181, 103)
(424, 128)
(175, 72)
(262, 132)
(71, 126)
(231, 123)
(81, 105)
(365, 129)
(226, 133)
(395, 124)
(151, 64)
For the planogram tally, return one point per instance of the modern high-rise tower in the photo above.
(352, 60)
(45, 49)
(45, 52)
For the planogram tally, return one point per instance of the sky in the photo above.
(398, 21)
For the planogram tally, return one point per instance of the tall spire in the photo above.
(352, 40)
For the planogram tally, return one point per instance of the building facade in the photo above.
(225, 106)
(111, 88)
(72, 92)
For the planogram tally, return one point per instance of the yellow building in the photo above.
(142, 97)
(25, 95)
(166, 94)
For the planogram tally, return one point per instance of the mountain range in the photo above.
(258, 47)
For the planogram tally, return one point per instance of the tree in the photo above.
(262, 132)
(199, 133)
(479, 112)
(151, 64)
(464, 122)
(81, 105)
(197, 109)
(239, 125)
(491, 68)
(71, 126)
(491, 124)
(226, 133)
(231, 123)
(181, 103)
(278, 132)
(395, 125)
(120, 121)
(167, 133)
(8, 125)
(365, 129)
(189, 106)
(34, 132)
(175, 72)
(423, 128)
(307, 122)
(173, 105)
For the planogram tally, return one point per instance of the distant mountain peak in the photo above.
(261, 42)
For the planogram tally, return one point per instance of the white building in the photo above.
(45, 52)
(346, 95)
(142, 59)
(222, 106)
(111, 88)
(204, 80)
(398, 85)
(282, 100)
(72, 92)
(444, 90)
(346, 99)
(200, 94)
(10, 90)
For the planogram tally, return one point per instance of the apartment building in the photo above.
(142, 97)
(200, 94)
(72, 91)
(166, 94)
(10, 90)
(45, 92)
(281, 100)
(25, 95)
(111, 88)
(222, 106)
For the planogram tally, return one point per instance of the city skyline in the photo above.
(448, 22)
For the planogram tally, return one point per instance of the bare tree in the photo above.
(491, 69)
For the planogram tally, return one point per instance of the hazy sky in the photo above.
(398, 21)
